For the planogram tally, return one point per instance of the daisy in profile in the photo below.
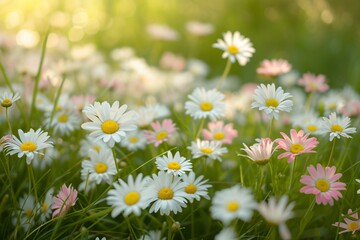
(63, 122)
(219, 132)
(7, 99)
(28, 144)
(65, 199)
(161, 132)
(227, 233)
(277, 214)
(134, 140)
(195, 187)
(273, 68)
(109, 123)
(260, 152)
(166, 193)
(323, 184)
(297, 144)
(313, 83)
(351, 224)
(130, 197)
(271, 100)
(100, 167)
(236, 47)
(205, 104)
(233, 203)
(211, 149)
(337, 126)
(176, 164)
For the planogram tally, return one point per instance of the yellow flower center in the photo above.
(336, 128)
(332, 106)
(101, 167)
(206, 106)
(233, 49)
(165, 194)
(96, 148)
(323, 185)
(219, 136)
(28, 146)
(161, 135)
(63, 118)
(272, 102)
(232, 206)
(207, 150)
(133, 139)
(190, 189)
(353, 226)
(131, 198)
(312, 128)
(44, 207)
(296, 148)
(109, 126)
(174, 166)
(6, 102)
(28, 213)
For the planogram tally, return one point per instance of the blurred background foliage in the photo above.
(318, 36)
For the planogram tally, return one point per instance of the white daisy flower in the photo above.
(205, 104)
(63, 122)
(134, 140)
(152, 235)
(100, 167)
(309, 122)
(129, 197)
(45, 207)
(227, 233)
(29, 144)
(7, 99)
(109, 123)
(26, 212)
(337, 126)
(195, 187)
(166, 193)
(176, 164)
(236, 47)
(90, 143)
(233, 203)
(278, 214)
(210, 149)
(271, 100)
(45, 158)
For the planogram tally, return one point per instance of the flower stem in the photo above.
(262, 168)
(200, 127)
(292, 174)
(57, 97)
(32, 180)
(7, 119)
(332, 151)
(225, 74)
(271, 126)
(114, 156)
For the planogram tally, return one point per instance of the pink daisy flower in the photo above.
(260, 152)
(297, 145)
(273, 68)
(313, 83)
(162, 132)
(352, 223)
(64, 200)
(218, 132)
(323, 183)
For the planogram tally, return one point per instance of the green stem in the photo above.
(270, 127)
(57, 97)
(116, 165)
(292, 174)
(308, 101)
(332, 151)
(200, 127)
(7, 119)
(32, 179)
(38, 74)
(258, 194)
(225, 74)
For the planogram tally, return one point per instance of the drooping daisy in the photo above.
(63, 121)
(313, 83)
(271, 100)
(211, 149)
(273, 68)
(65, 199)
(298, 144)
(352, 222)
(205, 104)
(195, 187)
(176, 164)
(109, 123)
(166, 193)
(29, 144)
(218, 132)
(260, 152)
(7, 99)
(233, 203)
(227, 233)
(277, 214)
(134, 140)
(100, 167)
(129, 197)
(161, 132)
(323, 183)
(236, 47)
(46, 204)
(337, 126)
